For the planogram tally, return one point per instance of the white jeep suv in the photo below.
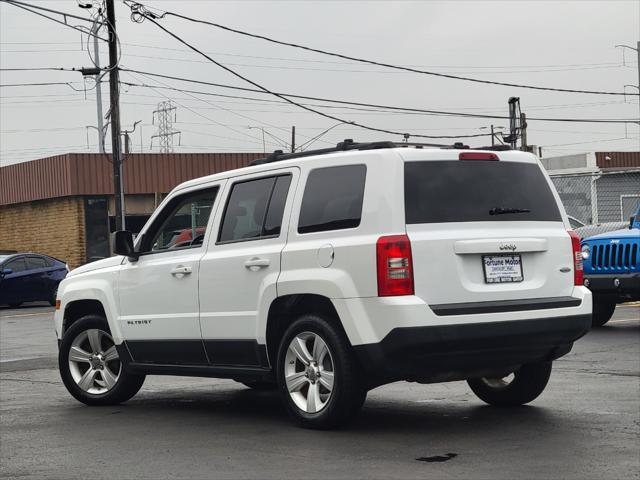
(325, 274)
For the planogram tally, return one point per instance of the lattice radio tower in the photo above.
(166, 114)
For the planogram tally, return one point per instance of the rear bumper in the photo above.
(459, 351)
(626, 285)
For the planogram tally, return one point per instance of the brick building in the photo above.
(63, 205)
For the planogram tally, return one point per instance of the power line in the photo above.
(562, 66)
(344, 102)
(40, 84)
(139, 12)
(202, 115)
(33, 9)
(38, 130)
(40, 102)
(233, 112)
(195, 132)
(129, 84)
(337, 70)
(380, 106)
(302, 60)
(35, 69)
(592, 141)
(266, 101)
(40, 96)
(347, 70)
(49, 10)
(282, 97)
(53, 147)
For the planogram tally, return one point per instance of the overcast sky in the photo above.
(554, 44)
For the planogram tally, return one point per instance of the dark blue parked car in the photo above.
(29, 277)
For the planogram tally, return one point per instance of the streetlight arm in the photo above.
(308, 143)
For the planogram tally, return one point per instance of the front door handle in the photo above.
(255, 263)
(180, 270)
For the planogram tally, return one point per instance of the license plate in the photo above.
(502, 268)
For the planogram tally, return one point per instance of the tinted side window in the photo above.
(245, 212)
(17, 265)
(183, 222)
(332, 199)
(35, 262)
(273, 221)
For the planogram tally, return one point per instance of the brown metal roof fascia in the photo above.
(35, 180)
(150, 173)
(618, 159)
(91, 174)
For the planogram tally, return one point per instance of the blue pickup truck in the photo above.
(612, 268)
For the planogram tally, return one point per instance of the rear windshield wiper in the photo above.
(502, 211)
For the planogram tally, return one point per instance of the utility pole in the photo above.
(493, 138)
(293, 139)
(638, 52)
(637, 49)
(114, 94)
(514, 107)
(523, 132)
(98, 80)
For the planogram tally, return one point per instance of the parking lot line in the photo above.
(23, 315)
(629, 320)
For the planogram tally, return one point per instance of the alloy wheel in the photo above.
(309, 372)
(94, 362)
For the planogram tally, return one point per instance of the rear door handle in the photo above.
(180, 270)
(255, 263)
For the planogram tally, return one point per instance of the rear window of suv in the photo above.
(470, 191)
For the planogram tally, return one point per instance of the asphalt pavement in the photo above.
(585, 425)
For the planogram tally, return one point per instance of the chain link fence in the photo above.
(599, 202)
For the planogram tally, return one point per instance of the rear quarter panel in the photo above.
(353, 270)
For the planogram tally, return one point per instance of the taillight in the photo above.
(578, 271)
(477, 156)
(395, 266)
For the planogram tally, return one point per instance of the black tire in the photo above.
(127, 384)
(529, 381)
(260, 385)
(347, 395)
(602, 311)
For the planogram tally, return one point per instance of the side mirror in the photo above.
(123, 245)
(6, 271)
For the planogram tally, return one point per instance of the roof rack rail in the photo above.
(348, 144)
(497, 148)
(431, 145)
